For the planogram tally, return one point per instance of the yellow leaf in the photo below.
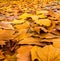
(29, 40)
(34, 55)
(18, 21)
(41, 12)
(45, 22)
(56, 42)
(47, 53)
(34, 17)
(25, 15)
(42, 16)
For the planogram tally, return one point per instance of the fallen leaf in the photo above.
(6, 25)
(18, 21)
(23, 53)
(44, 22)
(29, 40)
(46, 53)
(25, 15)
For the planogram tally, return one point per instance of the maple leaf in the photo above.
(46, 53)
(34, 28)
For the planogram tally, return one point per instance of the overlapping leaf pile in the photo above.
(29, 32)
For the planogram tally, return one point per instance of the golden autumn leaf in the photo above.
(56, 42)
(45, 22)
(30, 30)
(48, 36)
(18, 21)
(25, 15)
(34, 17)
(34, 55)
(46, 53)
(29, 40)
(22, 26)
(23, 53)
(42, 16)
(19, 36)
(6, 34)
